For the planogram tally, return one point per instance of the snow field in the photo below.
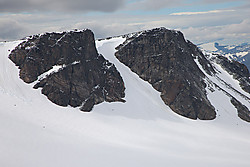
(141, 132)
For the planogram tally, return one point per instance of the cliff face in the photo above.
(164, 59)
(68, 69)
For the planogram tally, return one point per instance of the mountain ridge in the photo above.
(158, 57)
(163, 57)
(143, 131)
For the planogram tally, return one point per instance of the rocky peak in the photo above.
(68, 69)
(166, 60)
(42, 52)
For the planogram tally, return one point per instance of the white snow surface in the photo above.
(141, 132)
(241, 54)
(209, 46)
(218, 98)
(238, 55)
(230, 47)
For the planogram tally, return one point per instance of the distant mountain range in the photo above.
(240, 53)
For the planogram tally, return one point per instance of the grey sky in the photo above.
(226, 20)
(16, 6)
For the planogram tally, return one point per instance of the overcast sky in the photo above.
(201, 21)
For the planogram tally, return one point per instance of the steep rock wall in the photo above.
(68, 69)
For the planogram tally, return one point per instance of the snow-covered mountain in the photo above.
(143, 131)
(240, 53)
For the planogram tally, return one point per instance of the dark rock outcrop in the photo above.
(82, 76)
(243, 111)
(164, 59)
(238, 70)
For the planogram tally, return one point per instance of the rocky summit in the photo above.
(68, 69)
(167, 61)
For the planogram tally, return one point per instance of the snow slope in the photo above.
(141, 132)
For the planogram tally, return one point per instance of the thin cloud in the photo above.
(231, 34)
(198, 13)
(152, 5)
